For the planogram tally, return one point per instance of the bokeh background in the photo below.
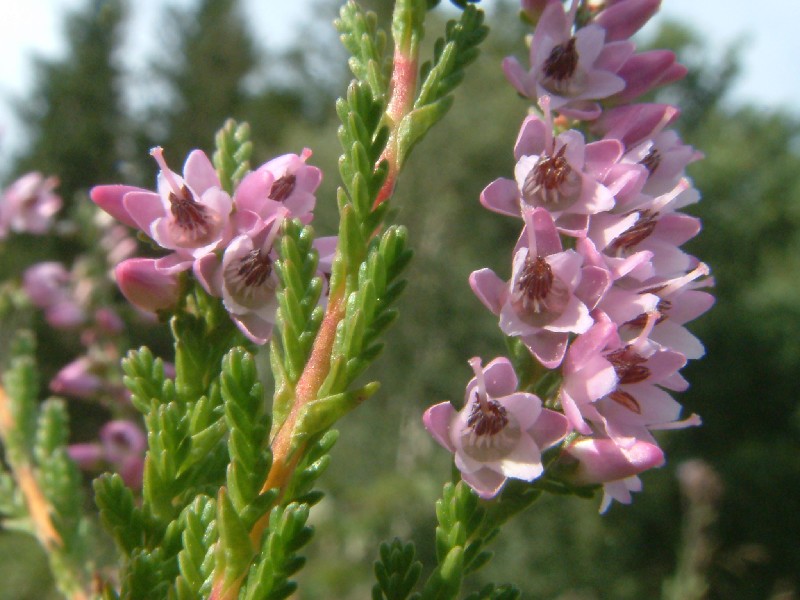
(726, 508)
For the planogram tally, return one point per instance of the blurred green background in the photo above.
(386, 471)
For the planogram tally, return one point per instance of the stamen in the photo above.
(158, 154)
(282, 188)
(636, 233)
(628, 365)
(538, 296)
(651, 161)
(535, 283)
(626, 400)
(491, 433)
(551, 182)
(192, 224)
(561, 64)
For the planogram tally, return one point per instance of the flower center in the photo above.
(636, 233)
(551, 183)
(539, 296)
(191, 224)
(491, 433)
(562, 62)
(651, 161)
(249, 279)
(628, 365)
(282, 188)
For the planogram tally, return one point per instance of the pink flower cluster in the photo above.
(600, 290)
(29, 204)
(226, 241)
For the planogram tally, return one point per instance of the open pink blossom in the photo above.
(245, 278)
(600, 460)
(665, 157)
(189, 214)
(500, 433)
(563, 174)
(679, 300)
(653, 225)
(284, 184)
(575, 69)
(539, 303)
(29, 204)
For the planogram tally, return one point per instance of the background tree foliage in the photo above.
(386, 472)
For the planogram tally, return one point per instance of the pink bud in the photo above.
(622, 19)
(633, 123)
(77, 380)
(146, 287)
(87, 456)
(648, 70)
(602, 460)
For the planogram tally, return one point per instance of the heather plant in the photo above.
(211, 499)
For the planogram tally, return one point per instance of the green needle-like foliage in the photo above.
(232, 156)
(121, 517)
(196, 558)
(441, 76)
(396, 572)
(298, 316)
(268, 579)
(248, 427)
(363, 139)
(50, 500)
(366, 43)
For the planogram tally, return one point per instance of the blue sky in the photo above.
(767, 30)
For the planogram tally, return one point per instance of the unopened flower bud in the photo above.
(144, 286)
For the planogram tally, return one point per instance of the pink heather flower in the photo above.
(50, 287)
(626, 400)
(652, 225)
(539, 303)
(285, 183)
(665, 157)
(574, 69)
(245, 279)
(145, 286)
(634, 123)
(77, 379)
(603, 461)
(623, 18)
(679, 300)
(500, 433)
(28, 205)
(646, 71)
(568, 177)
(122, 445)
(188, 214)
